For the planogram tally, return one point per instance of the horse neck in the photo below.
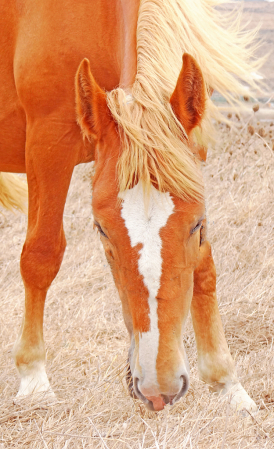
(129, 12)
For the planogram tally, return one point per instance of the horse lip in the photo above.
(158, 402)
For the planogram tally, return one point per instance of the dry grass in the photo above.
(87, 341)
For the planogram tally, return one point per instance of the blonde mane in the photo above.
(153, 148)
(13, 192)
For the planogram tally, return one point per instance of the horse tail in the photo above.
(13, 192)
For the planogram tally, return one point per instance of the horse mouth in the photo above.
(155, 403)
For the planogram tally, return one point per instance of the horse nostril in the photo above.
(139, 395)
(184, 388)
(135, 383)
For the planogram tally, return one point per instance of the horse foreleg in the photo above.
(49, 177)
(29, 350)
(216, 366)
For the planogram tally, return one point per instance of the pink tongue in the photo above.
(158, 402)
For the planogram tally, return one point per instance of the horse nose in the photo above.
(156, 400)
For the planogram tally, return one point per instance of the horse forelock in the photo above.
(154, 148)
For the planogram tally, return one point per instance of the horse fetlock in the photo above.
(217, 368)
(26, 354)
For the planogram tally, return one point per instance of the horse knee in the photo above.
(41, 260)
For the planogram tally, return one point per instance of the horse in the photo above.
(144, 73)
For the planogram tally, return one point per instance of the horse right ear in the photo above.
(188, 100)
(91, 104)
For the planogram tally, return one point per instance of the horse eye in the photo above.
(198, 225)
(100, 229)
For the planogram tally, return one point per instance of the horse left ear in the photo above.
(91, 104)
(189, 97)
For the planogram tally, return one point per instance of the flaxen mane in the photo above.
(153, 148)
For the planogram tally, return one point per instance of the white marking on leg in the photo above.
(239, 398)
(33, 380)
(144, 222)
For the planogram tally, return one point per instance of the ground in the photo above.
(87, 341)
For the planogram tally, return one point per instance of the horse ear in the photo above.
(91, 103)
(189, 97)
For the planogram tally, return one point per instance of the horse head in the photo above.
(151, 238)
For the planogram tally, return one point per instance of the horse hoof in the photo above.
(240, 401)
(45, 398)
(238, 398)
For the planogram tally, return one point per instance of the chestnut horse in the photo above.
(139, 106)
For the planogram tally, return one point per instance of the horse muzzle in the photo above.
(153, 399)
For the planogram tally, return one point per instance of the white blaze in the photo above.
(144, 222)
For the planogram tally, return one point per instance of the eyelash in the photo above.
(196, 227)
(100, 230)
